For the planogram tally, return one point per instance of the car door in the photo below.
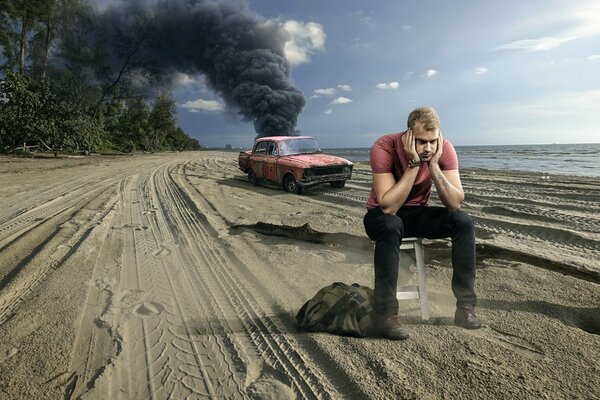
(270, 164)
(257, 158)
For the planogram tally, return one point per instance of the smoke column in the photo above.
(240, 54)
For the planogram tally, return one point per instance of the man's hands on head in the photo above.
(390, 194)
(410, 147)
(435, 159)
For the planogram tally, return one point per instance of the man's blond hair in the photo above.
(426, 116)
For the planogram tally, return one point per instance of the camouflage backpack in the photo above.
(339, 309)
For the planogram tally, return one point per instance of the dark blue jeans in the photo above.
(429, 222)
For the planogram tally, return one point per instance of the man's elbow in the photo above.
(454, 206)
(388, 210)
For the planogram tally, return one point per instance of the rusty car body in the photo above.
(293, 162)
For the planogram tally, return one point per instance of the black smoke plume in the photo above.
(240, 54)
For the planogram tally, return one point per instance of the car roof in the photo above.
(282, 138)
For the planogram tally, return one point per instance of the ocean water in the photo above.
(565, 159)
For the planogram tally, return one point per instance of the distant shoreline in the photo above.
(91, 158)
(564, 159)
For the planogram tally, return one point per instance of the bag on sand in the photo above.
(339, 309)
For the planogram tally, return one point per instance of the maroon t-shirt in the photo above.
(387, 156)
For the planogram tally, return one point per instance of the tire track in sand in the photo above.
(146, 305)
(59, 237)
(185, 324)
(262, 332)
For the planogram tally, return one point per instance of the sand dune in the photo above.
(169, 276)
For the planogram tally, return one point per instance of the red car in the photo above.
(293, 162)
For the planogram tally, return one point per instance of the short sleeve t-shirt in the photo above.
(387, 156)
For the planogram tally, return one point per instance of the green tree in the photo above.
(85, 100)
(162, 120)
(83, 47)
(24, 14)
(135, 126)
(45, 113)
(53, 18)
(23, 112)
(178, 140)
(8, 38)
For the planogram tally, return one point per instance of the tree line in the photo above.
(69, 85)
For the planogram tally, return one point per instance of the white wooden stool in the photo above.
(420, 290)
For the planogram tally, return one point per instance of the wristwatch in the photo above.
(414, 163)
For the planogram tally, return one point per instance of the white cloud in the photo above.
(481, 70)
(323, 92)
(342, 100)
(431, 73)
(363, 18)
(388, 86)
(329, 91)
(201, 104)
(306, 38)
(181, 79)
(587, 17)
(542, 44)
(580, 21)
(406, 27)
(328, 111)
(594, 57)
(559, 104)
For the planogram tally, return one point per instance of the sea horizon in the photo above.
(564, 159)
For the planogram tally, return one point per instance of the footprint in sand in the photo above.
(7, 353)
(515, 343)
(131, 298)
(270, 389)
(148, 309)
(61, 252)
(162, 252)
(135, 227)
(104, 284)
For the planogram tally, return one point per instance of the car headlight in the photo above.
(308, 173)
(347, 168)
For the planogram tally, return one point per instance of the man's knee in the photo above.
(462, 221)
(392, 225)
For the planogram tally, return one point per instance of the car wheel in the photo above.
(252, 178)
(338, 184)
(290, 185)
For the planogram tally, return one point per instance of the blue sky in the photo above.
(508, 72)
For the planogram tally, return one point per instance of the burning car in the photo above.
(293, 162)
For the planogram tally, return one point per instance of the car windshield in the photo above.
(298, 146)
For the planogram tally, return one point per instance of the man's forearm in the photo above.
(450, 195)
(394, 198)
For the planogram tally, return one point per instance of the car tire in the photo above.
(252, 178)
(338, 184)
(290, 185)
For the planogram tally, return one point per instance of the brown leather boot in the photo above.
(465, 317)
(389, 327)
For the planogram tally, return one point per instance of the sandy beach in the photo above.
(170, 276)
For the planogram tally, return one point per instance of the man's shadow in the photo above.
(584, 318)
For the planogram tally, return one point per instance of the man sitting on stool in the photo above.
(403, 166)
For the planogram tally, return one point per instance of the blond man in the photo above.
(404, 167)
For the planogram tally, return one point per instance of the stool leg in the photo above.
(419, 258)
